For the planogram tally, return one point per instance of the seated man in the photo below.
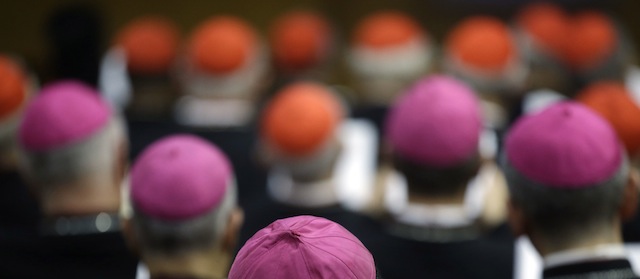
(614, 103)
(541, 29)
(303, 247)
(73, 149)
(319, 163)
(302, 45)
(138, 72)
(441, 194)
(388, 52)
(482, 51)
(571, 187)
(596, 49)
(185, 215)
(223, 75)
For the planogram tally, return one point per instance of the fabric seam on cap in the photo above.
(306, 263)
(345, 264)
(261, 254)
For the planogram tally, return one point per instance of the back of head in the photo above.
(301, 118)
(303, 247)
(482, 51)
(226, 58)
(592, 40)
(150, 44)
(183, 193)
(69, 134)
(389, 50)
(541, 32)
(13, 96)
(566, 171)
(482, 43)
(433, 131)
(222, 45)
(300, 40)
(545, 25)
(613, 102)
(386, 30)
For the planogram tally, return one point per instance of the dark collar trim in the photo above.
(81, 225)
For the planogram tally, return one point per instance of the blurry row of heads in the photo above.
(224, 58)
(542, 47)
(386, 47)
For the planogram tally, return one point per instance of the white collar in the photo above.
(397, 202)
(220, 112)
(448, 216)
(113, 80)
(599, 252)
(632, 82)
(282, 188)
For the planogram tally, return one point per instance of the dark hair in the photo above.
(562, 213)
(424, 179)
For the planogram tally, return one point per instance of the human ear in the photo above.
(515, 218)
(234, 223)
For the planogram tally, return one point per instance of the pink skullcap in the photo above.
(179, 177)
(64, 113)
(437, 122)
(565, 146)
(303, 247)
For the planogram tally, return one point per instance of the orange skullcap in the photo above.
(301, 118)
(614, 103)
(592, 39)
(299, 40)
(482, 42)
(222, 44)
(386, 29)
(547, 24)
(151, 44)
(12, 87)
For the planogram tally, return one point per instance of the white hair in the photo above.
(173, 238)
(94, 157)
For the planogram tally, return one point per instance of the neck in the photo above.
(212, 264)
(596, 237)
(83, 197)
(453, 199)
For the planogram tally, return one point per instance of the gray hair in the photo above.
(94, 157)
(567, 213)
(171, 238)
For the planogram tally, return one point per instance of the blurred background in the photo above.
(24, 25)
